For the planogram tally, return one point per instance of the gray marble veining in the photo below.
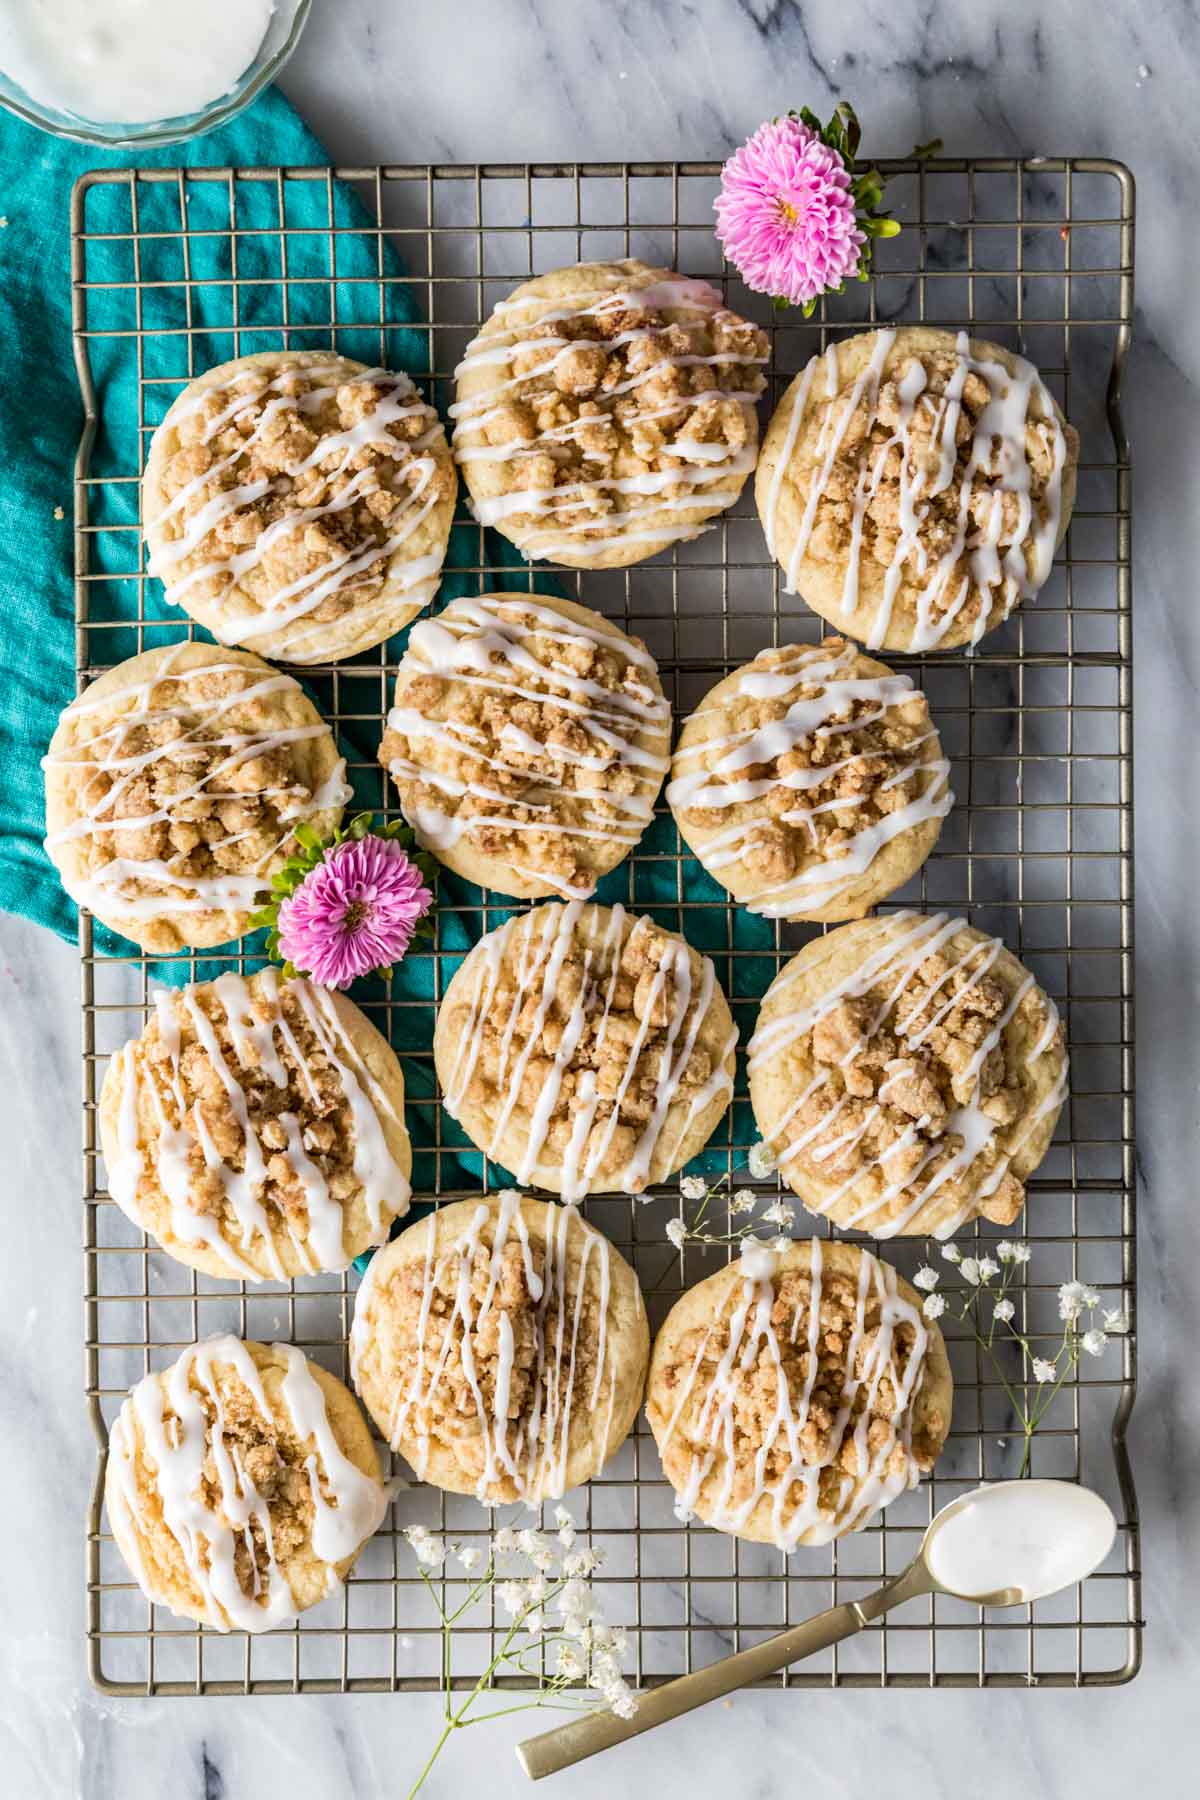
(592, 79)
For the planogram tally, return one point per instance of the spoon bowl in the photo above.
(1012, 1542)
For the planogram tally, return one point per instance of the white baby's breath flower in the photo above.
(970, 1269)
(504, 1540)
(780, 1243)
(693, 1187)
(428, 1549)
(512, 1596)
(1091, 1299)
(677, 1232)
(1003, 1311)
(1094, 1342)
(926, 1278)
(987, 1269)
(1043, 1370)
(935, 1306)
(570, 1664)
(566, 1527)
(779, 1213)
(952, 1253)
(582, 1562)
(761, 1161)
(535, 1623)
(623, 1703)
(744, 1201)
(1071, 1300)
(471, 1558)
(1114, 1321)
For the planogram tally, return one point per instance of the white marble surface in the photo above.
(421, 79)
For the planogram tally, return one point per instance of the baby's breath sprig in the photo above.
(986, 1306)
(555, 1634)
(698, 1229)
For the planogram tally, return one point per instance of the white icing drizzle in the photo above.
(473, 644)
(397, 399)
(749, 1339)
(893, 966)
(532, 1451)
(348, 1505)
(167, 1163)
(536, 944)
(107, 753)
(702, 470)
(1000, 572)
(723, 785)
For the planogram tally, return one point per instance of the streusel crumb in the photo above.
(827, 1439)
(311, 500)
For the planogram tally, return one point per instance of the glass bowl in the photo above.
(282, 35)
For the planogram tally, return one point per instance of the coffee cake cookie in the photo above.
(606, 411)
(908, 1072)
(500, 1346)
(914, 485)
(256, 1128)
(241, 1484)
(585, 1050)
(797, 1392)
(299, 503)
(528, 740)
(174, 784)
(810, 783)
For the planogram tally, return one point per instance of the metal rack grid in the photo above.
(1038, 255)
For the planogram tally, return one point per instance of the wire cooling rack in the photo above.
(176, 269)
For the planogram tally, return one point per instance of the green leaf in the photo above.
(305, 835)
(923, 151)
(809, 308)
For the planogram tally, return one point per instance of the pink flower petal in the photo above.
(785, 214)
(354, 912)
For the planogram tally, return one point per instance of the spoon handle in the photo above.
(567, 1744)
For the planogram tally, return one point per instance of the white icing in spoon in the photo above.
(1027, 1538)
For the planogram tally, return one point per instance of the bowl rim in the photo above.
(159, 132)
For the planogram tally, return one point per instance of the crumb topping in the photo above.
(266, 1458)
(501, 1370)
(920, 480)
(910, 1091)
(302, 1119)
(192, 780)
(790, 795)
(623, 391)
(297, 481)
(529, 742)
(826, 1439)
(610, 1043)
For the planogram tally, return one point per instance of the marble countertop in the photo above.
(517, 79)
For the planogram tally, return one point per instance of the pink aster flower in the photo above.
(354, 912)
(786, 214)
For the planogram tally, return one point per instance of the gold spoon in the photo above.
(1001, 1545)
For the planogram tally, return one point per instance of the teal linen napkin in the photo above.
(40, 422)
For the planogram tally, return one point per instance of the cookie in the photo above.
(256, 1128)
(501, 1346)
(174, 784)
(299, 504)
(914, 485)
(908, 1072)
(811, 783)
(241, 1484)
(606, 411)
(528, 741)
(585, 1050)
(797, 1392)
